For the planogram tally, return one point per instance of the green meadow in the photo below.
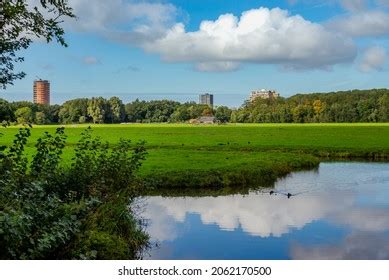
(184, 155)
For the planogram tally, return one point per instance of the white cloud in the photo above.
(130, 21)
(368, 23)
(124, 21)
(260, 36)
(90, 60)
(373, 59)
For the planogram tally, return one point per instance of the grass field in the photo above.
(179, 149)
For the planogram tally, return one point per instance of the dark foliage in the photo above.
(46, 208)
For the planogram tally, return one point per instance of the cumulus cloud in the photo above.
(365, 18)
(259, 36)
(131, 22)
(373, 59)
(127, 21)
(367, 23)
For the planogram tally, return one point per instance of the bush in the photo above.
(46, 210)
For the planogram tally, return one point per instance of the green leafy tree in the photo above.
(97, 109)
(118, 112)
(233, 116)
(207, 112)
(151, 111)
(72, 110)
(40, 118)
(181, 114)
(21, 22)
(223, 114)
(384, 107)
(6, 112)
(24, 115)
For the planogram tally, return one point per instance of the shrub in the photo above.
(46, 210)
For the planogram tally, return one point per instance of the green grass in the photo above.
(177, 149)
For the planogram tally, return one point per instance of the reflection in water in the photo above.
(341, 211)
(362, 246)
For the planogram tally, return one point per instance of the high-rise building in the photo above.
(42, 92)
(206, 99)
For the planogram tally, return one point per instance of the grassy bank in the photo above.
(233, 169)
(189, 155)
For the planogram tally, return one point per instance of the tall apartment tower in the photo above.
(42, 92)
(206, 99)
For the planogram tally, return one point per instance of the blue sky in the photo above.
(180, 48)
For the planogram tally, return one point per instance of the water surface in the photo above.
(340, 211)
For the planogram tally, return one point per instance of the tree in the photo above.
(23, 115)
(72, 110)
(223, 114)
(233, 117)
(384, 107)
(136, 111)
(96, 109)
(118, 113)
(196, 110)
(207, 112)
(40, 118)
(181, 114)
(52, 113)
(19, 23)
(6, 113)
(299, 114)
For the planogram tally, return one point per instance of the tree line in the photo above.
(113, 110)
(347, 106)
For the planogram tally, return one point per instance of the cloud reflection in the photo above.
(257, 214)
(362, 246)
(353, 197)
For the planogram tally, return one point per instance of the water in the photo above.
(340, 211)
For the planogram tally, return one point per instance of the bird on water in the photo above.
(289, 195)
